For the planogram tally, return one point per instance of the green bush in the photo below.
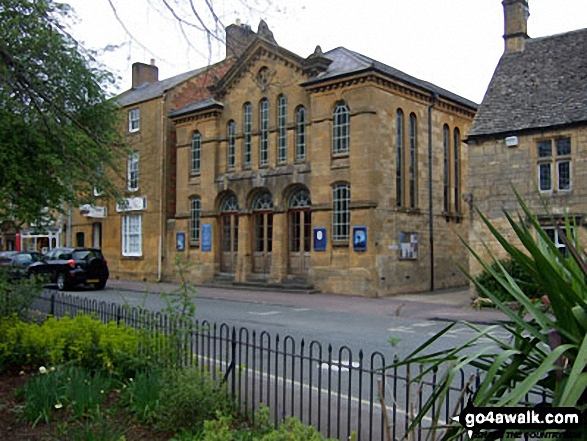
(525, 280)
(83, 340)
(141, 394)
(189, 397)
(17, 295)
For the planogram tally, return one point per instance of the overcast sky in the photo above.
(454, 44)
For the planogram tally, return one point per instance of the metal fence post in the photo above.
(52, 307)
(233, 362)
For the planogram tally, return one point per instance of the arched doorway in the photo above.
(263, 233)
(229, 231)
(300, 231)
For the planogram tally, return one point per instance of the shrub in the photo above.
(525, 280)
(83, 340)
(17, 295)
(189, 397)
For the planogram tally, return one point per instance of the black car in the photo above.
(16, 263)
(68, 267)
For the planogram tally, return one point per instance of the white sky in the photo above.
(454, 44)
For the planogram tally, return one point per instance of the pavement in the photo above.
(451, 305)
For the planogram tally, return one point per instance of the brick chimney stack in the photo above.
(516, 24)
(238, 37)
(144, 73)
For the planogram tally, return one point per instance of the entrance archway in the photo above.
(262, 233)
(229, 233)
(300, 232)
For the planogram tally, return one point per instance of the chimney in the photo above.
(144, 73)
(516, 24)
(238, 37)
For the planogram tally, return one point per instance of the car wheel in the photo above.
(100, 285)
(61, 282)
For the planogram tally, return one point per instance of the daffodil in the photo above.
(42, 370)
(58, 406)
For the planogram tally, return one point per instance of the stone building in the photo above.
(132, 231)
(333, 170)
(530, 133)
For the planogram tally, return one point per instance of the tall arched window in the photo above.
(300, 133)
(264, 132)
(196, 153)
(195, 216)
(341, 212)
(282, 129)
(446, 169)
(341, 129)
(399, 158)
(457, 169)
(413, 164)
(247, 134)
(231, 145)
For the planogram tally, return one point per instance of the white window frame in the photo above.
(231, 145)
(132, 235)
(553, 162)
(282, 129)
(134, 120)
(341, 212)
(264, 132)
(301, 133)
(196, 153)
(247, 134)
(132, 177)
(559, 244)
(341, 129)
(195, 219)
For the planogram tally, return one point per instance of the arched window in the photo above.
(399, 158)
(264, 132)
(231, 145)
(196, 153)
(341, 214)
(341, 129)
(229, 204)
(300, 199)
(446, 169)
(457, 168)
(263, 202)
(195, 216)
(413, 164)
(247, 134)
(282, 129)
(300, 133)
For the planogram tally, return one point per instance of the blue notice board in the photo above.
(319, 239)
(360, 238)
(180, 241)
(206, 237)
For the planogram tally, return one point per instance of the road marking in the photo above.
(297, 384)
(301, 309)
(264, 313)
(404, 329)
(337, 366)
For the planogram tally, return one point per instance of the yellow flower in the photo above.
(42, 370)
(58, 406)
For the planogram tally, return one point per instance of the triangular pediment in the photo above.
(258, 49)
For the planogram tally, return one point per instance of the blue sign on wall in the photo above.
(319, 239)
(206, 237)
(360, 238)
(180, 241)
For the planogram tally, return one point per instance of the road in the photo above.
(333, 381)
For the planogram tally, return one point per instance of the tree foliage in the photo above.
(57, 127)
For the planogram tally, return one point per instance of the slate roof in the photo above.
(346, 62)
(148, 91)
(200, 105)
(543, 86)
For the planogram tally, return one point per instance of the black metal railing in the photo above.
(344, 395)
